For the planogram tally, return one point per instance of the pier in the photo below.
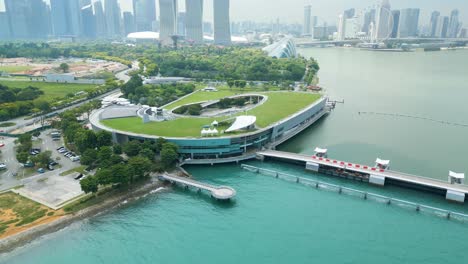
(374, 175)
(217, 192)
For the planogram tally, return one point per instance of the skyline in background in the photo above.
(291, 11)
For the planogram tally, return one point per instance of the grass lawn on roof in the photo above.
(278, 106)
(51, 90)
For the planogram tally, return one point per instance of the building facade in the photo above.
(168, 20)
(222, 24)
(384, 21)
(433, 23)
(409, 22)
(144, 14)
(194, 21)
(307, 27)
(113, 18)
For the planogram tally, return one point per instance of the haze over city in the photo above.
(290, 11)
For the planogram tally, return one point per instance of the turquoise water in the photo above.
(274, 221)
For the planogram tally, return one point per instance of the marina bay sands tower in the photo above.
(168, 20)
(194, 21)
(222, 24)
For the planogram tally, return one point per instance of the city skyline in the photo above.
(291, 11)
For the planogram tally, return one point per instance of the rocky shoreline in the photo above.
(12, 242)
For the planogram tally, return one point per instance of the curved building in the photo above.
(227, 148)
(285, 48)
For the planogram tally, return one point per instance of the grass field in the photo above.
(14, 69)
(17, 211)
(278, 106)
(51, 90)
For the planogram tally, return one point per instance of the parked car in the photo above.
(2, 145)
(53, 163)
(79, 176)
(2, 166)
(75, 158)
(28, 164)
(41, 170)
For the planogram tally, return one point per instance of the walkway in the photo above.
(217, 192)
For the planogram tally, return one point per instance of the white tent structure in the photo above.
(242, 122)
(456, 178)
(214, 123)
(383, 164)
(320, 152)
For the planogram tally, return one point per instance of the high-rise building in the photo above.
(463, 33)
(369, 17)
(396, 23)
(128, 23)
(18, 12)
(88, 21)
(194, 21)
(101, 23)
(181, 23)
(222, 30)
(144, 14)
(408, 25)
(168, 20)
(84, 3)
(307, 27)
(433, 23)
(37, 21)
(349, 13)
(352, 28)
(113, 18)
(341, 34)
(5, 28)
(384, 21)
(442, 27)
(454, 24)
(66, 17)
(208, 28)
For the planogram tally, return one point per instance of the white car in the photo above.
(2, 166)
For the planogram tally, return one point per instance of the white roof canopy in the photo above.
(320, 150)
(456, 175)
(242, 122)
(382, 162)
(215, 123)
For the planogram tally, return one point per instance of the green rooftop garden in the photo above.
(278, 106)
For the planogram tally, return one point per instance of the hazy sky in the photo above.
(292, 10)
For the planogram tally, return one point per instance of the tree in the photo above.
(138, 167)
(64, 67)
(104, 176)
(230, 83)
(117, 149)
(22, 157)
(103, 157)
(89, 184)
(42, 159)
(147, 153)
(104, 138)
(85, 139)
(88, 157)
(168, 156)
(132, 148)
(120, 174)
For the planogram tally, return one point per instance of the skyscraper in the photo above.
(18, 14)
(396, 23)
(88, 21)
(5, 28)
(194, 20)
(369, 17)
(442, 27)
(168, 20)
(307, 27)
(341, 27)
(349, 13)
(222, 30)
(66, 17)
(128, 23)
(113, 19)
(181, 23)
(384, 21)
(408, 25)
(101, 23)
(433, 23)
(144, 14)
(454, 24)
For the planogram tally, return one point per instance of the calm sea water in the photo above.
(273, 221)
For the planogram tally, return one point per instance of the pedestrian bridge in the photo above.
(217, 192)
